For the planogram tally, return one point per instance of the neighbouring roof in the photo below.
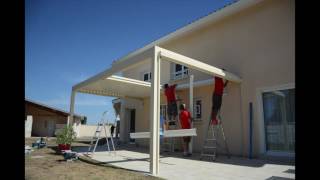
(50, 108)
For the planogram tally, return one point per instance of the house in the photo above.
(45, 120)
(253, 39)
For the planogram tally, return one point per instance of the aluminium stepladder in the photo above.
(172, 125)
(168, 143)
(97, 135)
(211, 142)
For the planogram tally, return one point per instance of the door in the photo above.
(51, 127)
(132, 122)
(279, 120)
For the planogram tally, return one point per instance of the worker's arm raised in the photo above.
(226, 83)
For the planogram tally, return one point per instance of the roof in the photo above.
(228, 10)
(50, 107)
(117, 86)
(107, 84)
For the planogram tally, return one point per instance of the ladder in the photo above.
(211, 143)
(97, 135)
(170, 141)
(172, 125)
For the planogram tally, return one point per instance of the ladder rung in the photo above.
(208, 155)
(98, 131)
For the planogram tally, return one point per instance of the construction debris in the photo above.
(27, 150)
(69, 155)
(40, 143)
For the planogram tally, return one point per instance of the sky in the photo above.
(68, 41)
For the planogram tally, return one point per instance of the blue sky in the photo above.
(68, 41)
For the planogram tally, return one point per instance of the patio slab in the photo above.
(174, 166)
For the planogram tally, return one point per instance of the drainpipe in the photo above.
(250, 129)
(241, 119)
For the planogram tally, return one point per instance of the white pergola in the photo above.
(107, 84)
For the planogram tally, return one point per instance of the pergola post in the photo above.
(155, 113)
(191, 107)
(70, 120)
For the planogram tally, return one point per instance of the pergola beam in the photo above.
(191, 107)
(197, 65)
(117, 67)
(100, 93)
(155, 113)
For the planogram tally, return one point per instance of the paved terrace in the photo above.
(174, 166)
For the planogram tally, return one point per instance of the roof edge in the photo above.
(50, 107)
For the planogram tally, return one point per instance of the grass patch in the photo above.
(53, 166)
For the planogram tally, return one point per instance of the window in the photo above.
(147, 76)
(180, 71)
(279, 120)
(197, 109)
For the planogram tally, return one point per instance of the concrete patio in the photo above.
(174, 166)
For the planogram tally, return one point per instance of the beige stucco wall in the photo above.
(257, 44)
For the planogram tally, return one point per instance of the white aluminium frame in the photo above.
(156, 54)
(262, 133)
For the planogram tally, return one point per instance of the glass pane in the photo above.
(279, 117)
(178, 67)
(145, 77)
(198, 105)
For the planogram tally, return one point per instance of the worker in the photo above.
(112, 129)
(117, 127)
(172, 108)
(185, 122)
(219, 85)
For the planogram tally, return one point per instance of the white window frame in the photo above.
(195, 109)
(262, 133)
(149, 76)
(183, 73)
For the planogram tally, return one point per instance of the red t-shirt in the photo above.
(169, 92)
(184, 119)
(218, 85)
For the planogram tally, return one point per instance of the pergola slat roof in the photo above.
(105, 83)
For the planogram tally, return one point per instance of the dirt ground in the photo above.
(48, 163)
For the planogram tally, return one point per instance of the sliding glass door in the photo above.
(279, 120)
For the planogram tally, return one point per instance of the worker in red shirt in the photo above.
(217, 97)
(185, 122)
(172, 108)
